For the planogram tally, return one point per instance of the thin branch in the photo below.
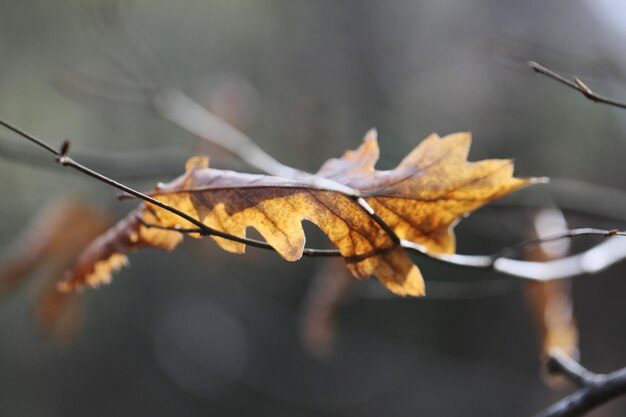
(567, 234)
(30, 137)
(577, 85)
(596, 389)
(62, 158)
(319, 253)
(593, 260)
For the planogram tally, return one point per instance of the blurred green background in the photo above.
(204, 332)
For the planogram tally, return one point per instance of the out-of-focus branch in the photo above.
(593, 260)
(178, 108)
(577, 85)
(559, 363)
(596, 389)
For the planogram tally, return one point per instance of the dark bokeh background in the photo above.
(204, 332)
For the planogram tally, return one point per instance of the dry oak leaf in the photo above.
(421, 200)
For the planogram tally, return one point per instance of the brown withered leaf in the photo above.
(421, 199)
(50, 242)
(430, 190)
(106, 254)
(54, 236)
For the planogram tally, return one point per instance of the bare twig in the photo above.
(596, 389)
(317, 253)
(577, 85)
(567, 234)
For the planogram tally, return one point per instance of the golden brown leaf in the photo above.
(430, 190)
(106, 254)
(421, 199)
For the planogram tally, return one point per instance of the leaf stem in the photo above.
(596, 389)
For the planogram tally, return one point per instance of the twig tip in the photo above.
(535, 66)
(583, 87)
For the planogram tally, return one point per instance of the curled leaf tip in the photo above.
(371, 135)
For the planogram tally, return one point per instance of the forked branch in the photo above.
(595, 389)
